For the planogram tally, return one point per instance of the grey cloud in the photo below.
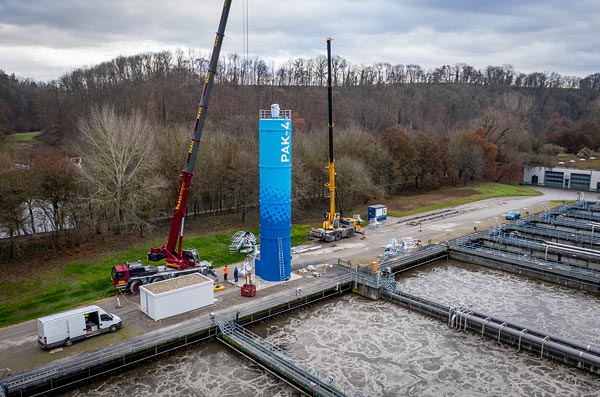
(426, 32)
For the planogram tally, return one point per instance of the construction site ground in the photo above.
(18, 343)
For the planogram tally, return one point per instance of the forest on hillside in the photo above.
(115, 135)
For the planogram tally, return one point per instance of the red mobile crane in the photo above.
(173, 253)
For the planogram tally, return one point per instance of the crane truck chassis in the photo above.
(342, 228)
(131, 275)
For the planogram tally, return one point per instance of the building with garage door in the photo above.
(563, 178)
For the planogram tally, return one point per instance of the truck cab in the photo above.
(121, 274)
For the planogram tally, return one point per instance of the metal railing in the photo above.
(526, 266)
(163, 340)
(417, 303)
(581, 355)
(413, 259)
(532, 262)
(283, 363)
(267, 114)
(560, 348)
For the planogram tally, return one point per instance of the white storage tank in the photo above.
(175, 296)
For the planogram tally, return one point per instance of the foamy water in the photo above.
(556, 309)
(383, 349)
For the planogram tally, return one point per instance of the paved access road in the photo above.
(459, 221)
(18, 343)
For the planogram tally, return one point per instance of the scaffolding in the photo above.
(242, 240)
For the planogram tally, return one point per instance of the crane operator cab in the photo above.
(191, 254)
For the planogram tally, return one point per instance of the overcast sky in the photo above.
(44, 39)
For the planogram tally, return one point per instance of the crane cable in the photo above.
(245, 67)
(245, 31)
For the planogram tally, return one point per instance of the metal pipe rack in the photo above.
(579, 354)
(518, 263)
(557, 347)
(560, 235)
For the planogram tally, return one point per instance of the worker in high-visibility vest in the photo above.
(225, 272)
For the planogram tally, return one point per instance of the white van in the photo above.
(70, 326)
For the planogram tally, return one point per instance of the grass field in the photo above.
(25, 136)
(450, 197)
(78, 283)
(48, 290)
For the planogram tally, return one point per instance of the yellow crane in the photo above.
(334, 227)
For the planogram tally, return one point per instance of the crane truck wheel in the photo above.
(157, 279)
(338, 236)
(134, 287)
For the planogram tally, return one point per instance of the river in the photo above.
(382, 349)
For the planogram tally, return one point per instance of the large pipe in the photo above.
(558, 338)
(572, 348)
(570, 248)
(575, 353)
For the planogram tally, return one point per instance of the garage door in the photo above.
(580, 181)
(553, 179)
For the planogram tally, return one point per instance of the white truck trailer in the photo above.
(67, 327)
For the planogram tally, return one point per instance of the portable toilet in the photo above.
(377, 211)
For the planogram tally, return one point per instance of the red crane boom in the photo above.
(173, 253)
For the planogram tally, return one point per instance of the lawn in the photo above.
(25, 136)
(81, 282)
(47, 289)
(450, 197)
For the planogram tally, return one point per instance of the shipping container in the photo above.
(176, 296)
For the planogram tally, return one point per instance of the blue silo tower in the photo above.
(275, 164)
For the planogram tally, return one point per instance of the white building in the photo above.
(562, 177)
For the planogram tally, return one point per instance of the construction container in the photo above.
(176, 296)
(377, 211)
(275, 165)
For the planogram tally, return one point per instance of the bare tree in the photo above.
(55, 188)
(353, 184)
(467, 156)
(13, 194)
(120, 166)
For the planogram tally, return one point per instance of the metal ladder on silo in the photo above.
(281, 262)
